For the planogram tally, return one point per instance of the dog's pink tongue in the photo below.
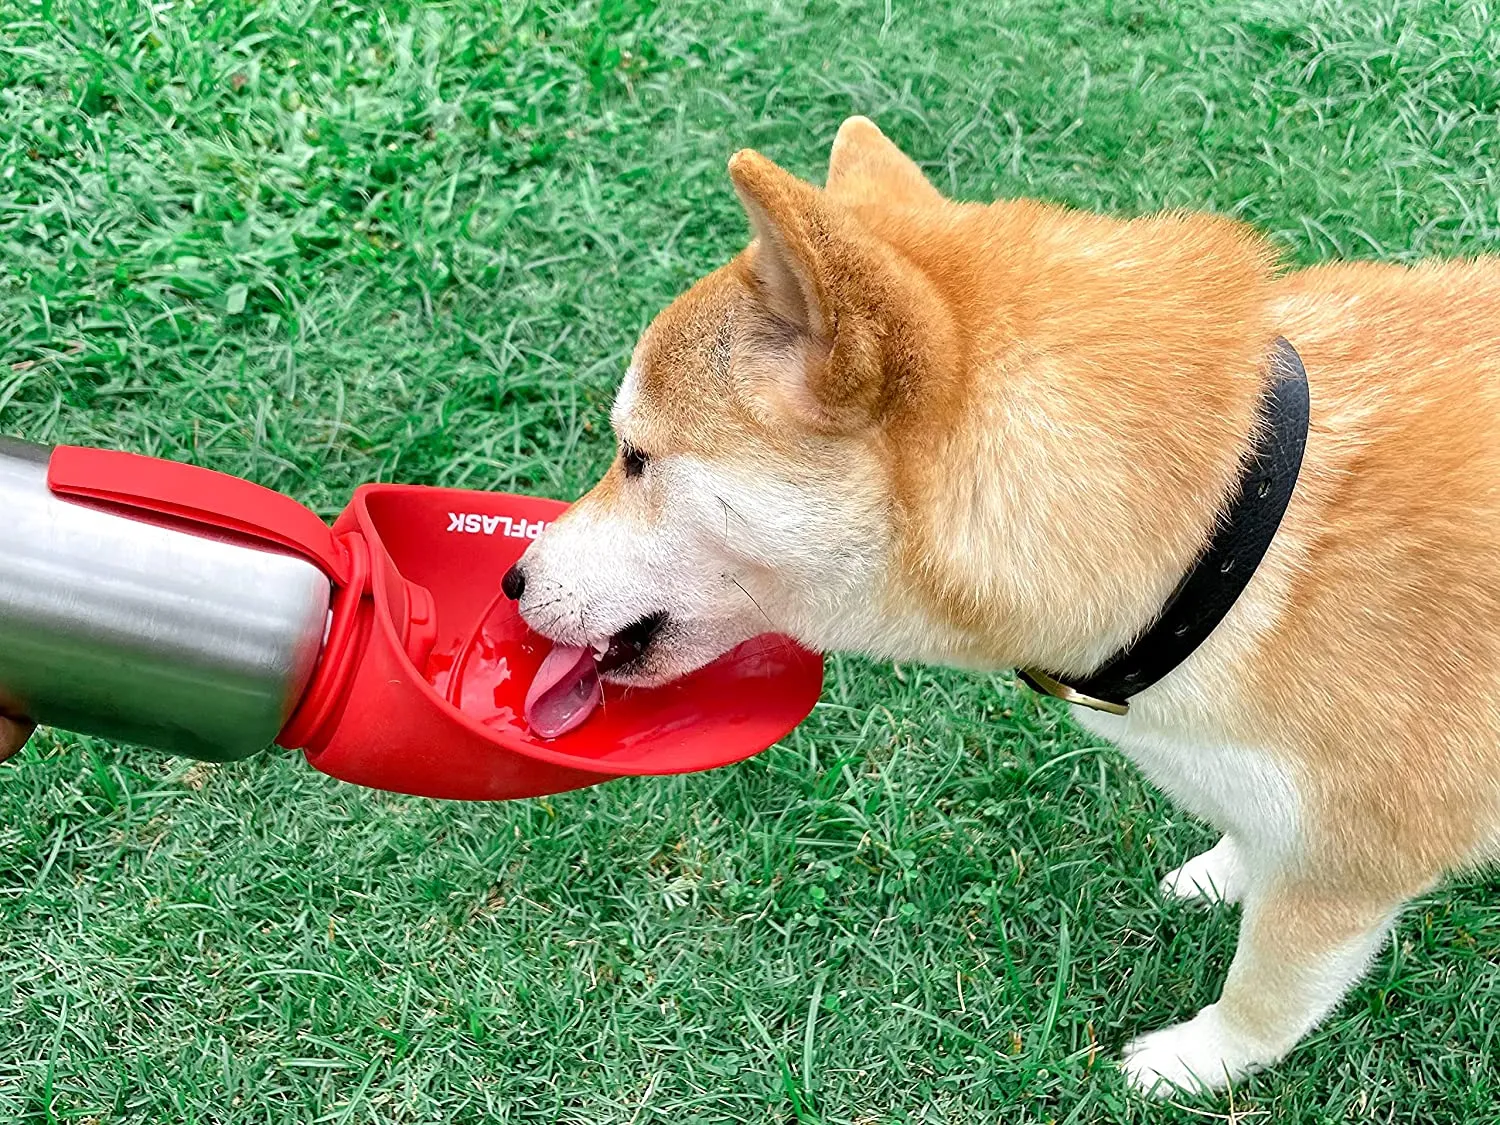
(564, 692)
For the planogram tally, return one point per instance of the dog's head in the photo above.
(751, 491)
(920, 429)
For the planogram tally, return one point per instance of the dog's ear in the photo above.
(823, 280)
(792, 251)
(865, 161)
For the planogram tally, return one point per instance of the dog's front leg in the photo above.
(1218, 875)
(1301, 948)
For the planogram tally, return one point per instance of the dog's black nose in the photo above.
(514, 583)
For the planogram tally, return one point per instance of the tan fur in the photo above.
(1054, 406)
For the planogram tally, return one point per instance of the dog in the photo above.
(999, 435)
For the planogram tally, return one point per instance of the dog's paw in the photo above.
(1199, 1055)
(1216, 876)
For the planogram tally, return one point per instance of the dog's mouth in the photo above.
(567, 688)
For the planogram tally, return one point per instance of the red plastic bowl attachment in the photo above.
(430, 627)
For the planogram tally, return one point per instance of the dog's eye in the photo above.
(633, 460)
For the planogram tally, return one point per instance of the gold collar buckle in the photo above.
(1050, 685)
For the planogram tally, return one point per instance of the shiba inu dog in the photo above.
(999, 435)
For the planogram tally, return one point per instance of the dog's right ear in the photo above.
(865, 162)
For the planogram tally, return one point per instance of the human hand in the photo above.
(13, 735)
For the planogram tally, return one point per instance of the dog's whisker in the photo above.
(728, 511)
(758, 608)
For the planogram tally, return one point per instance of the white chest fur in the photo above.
(1242, 791)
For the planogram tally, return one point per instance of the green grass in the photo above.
(323, 244)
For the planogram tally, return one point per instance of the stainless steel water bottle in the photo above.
(140, 632)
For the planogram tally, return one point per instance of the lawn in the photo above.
(322, 244)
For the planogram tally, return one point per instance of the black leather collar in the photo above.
(1222, 572)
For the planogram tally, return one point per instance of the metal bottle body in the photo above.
(143, 633)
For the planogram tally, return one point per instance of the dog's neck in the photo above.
(1109, 394)
(1212, 586)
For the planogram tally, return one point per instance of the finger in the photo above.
(13, 736)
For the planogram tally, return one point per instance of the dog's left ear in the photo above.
(794, 245)
(825, 281)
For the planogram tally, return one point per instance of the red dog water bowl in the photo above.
(434, 705)
(424, 671)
